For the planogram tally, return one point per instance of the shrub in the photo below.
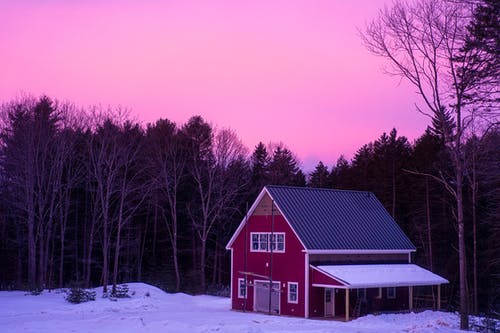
(78, 295)
(121, 291)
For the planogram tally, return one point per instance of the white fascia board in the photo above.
(289, 224)
(380, 285)
(359, 251)
(247, 216)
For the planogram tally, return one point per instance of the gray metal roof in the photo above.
(327, 219)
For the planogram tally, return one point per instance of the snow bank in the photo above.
(149, 309)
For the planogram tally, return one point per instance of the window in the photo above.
(379, 293)
(255, 242)
(391, 292)
(280, 242)
(242, 288)
(362, 294)
(266, 242)
(293, 292)
(263, 242)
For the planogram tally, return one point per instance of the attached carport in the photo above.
(375, 276)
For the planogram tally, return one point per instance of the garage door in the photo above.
(262, 291)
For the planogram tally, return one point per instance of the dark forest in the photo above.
(91, 197)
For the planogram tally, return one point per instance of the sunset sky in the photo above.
(289, 71)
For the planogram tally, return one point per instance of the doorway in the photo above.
(329, 302)
(262, 301)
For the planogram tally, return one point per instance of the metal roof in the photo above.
(326, 219)
(375, 276)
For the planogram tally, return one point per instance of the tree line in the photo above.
(92, 197)
(449, 51)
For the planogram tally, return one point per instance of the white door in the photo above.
(329, 302)
(262, 297)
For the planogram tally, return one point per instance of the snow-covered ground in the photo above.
(152, 310)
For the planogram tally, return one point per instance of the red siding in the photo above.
(286, 267)
(318, 277)
(316, 302)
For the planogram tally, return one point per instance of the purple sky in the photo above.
(290, 71)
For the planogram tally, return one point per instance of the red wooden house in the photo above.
(322, 253)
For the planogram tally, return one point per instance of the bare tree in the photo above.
(210, 160)
(118, 189)
(168, 166)
(424, 43)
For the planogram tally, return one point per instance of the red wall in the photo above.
(286, 267)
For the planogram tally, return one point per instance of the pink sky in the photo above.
(289, 71)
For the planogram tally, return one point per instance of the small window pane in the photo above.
(391, 292)
(292, 292)
(242, 291)
(263, 242)
(272, 242)
(281, 242)
(255, 241)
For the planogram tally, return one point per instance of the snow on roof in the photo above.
(376, 276)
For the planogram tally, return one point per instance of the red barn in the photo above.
(322, 253)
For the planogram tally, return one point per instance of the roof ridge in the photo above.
(316, 189)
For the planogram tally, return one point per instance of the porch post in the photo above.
(439, 297)
(347, 304)
(410, 298)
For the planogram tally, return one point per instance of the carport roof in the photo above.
(377, 276)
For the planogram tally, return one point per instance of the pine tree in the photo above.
(320, 177)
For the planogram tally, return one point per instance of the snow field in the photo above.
(162, 312)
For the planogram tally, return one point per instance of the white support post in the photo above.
(347, 305)
(410, 298)
(439, 298)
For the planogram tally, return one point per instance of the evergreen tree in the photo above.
(320, 177)
(260, 169)
(284, 169)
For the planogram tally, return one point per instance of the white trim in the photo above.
(379, 293)
(359, 251)
(232, 276)
(332, 301)
(331, 286)
(268, 245)
(387, 293)
(284, 216)
(250, 213)
(330, 276)
(255, 293)
(306, 286)
(247, 216)
(289, 284)
(242, 280)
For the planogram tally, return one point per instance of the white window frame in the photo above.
(379, 293)
(264, 243)
(296, 284)
(389, 294)
(240, 282)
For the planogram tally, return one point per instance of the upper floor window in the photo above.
(266, 241)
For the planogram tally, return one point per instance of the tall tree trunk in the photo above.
(464, 308)
(203, 285)
(176, 264)
(474, 225)
(393, 189)
(429, 232)
(31, 252)
(429, 226)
